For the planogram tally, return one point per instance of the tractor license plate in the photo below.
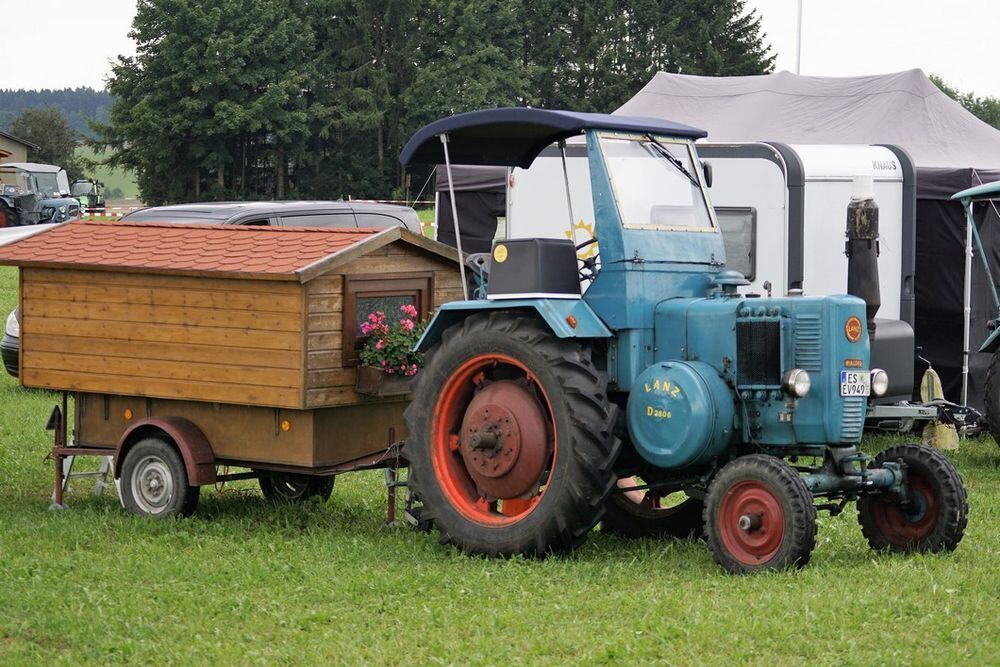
(855, 383)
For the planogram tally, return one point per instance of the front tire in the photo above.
(935, 517)
(154, 481)
(281, 487)
(511, 447)
(759, 515)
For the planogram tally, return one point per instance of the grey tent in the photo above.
(950, 147)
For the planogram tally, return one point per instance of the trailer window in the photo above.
(739, 234)
(366, 294)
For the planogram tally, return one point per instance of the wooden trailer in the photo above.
(187, 347)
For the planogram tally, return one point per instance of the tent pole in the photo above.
(454, 217)
(967, 310)
(569, 199)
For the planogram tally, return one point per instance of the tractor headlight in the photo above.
(62, 209)
(797, 382)
(880, 382)
(13, 327)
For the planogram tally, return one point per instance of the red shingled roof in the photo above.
(231, 249)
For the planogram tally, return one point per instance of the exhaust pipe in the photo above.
(862, 248)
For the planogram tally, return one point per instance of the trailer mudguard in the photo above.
(199, 459)
(567, 318)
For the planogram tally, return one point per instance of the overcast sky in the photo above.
(839, 38)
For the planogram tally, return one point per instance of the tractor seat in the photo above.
(533, 269)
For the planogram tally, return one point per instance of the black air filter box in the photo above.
(541, 268)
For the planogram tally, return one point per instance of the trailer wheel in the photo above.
(154, 482)
(291, 487)
(992, 396)
(511, 447)
(759, 515)
(937, 510)
(635, 514)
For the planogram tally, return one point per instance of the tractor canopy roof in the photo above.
(32, 167)
(984, 191)
(514, 136)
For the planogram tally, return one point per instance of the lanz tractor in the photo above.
(544, 408)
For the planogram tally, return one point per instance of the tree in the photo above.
(986, 109)
(47, 129)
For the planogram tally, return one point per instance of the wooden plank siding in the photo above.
(166, 336)
(328, 383)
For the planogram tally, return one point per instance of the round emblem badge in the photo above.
(500, 254)
(853, 328)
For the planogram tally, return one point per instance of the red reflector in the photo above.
(571, 321)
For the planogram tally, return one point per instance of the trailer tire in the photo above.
(543, 385)
(780, 519)
(992, 396)
(938, 515)
(626, 518)
(279, 487)
(154, 481)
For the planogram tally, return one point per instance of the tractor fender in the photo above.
(992, 343)
(566, 318)
(194, 448)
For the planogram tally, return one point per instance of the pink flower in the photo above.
(378, 344)
(409, 310)
(366, 328)
(406, 324)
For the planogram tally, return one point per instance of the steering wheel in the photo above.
(588, 270)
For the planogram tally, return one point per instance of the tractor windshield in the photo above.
(80, 188)
(656, 183)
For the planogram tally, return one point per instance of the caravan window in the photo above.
(739, 233)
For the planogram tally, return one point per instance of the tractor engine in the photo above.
(771, 372)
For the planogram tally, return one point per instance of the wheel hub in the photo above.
(751, 522)
(504, 440)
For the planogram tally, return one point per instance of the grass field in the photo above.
(244, 582)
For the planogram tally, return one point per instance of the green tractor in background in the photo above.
(90, 194)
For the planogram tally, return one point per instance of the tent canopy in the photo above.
(902, 108)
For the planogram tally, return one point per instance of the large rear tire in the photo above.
(935, 516)
(511, 446)
(759, 515)
(992, 397)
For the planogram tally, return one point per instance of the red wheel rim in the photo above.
(489, 484)
(751, 522)
(915, 523)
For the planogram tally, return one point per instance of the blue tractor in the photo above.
(34, 194)
(659, 400)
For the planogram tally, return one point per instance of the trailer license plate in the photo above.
(855, 383)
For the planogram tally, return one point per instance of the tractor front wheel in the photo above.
(759, 515)
(511, 447)
(934, 514)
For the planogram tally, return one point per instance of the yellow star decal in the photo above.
(574, 236)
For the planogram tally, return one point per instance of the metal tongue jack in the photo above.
(862, 247)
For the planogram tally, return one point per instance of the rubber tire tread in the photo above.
(319, 486)
(797, 506)
(684, 522)
(953, 501)
(185, 499)
(992, 397)
(584, 465)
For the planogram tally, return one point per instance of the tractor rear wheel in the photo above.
(291, 487)
(935, 514)
(511, 447)
(992, 397)
(759, 515)
(7, 217)
(635, 514)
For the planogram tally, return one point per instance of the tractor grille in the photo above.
(809, 342)
(854, 419)
(758, 353)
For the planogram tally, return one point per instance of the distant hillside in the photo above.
(76, 104)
